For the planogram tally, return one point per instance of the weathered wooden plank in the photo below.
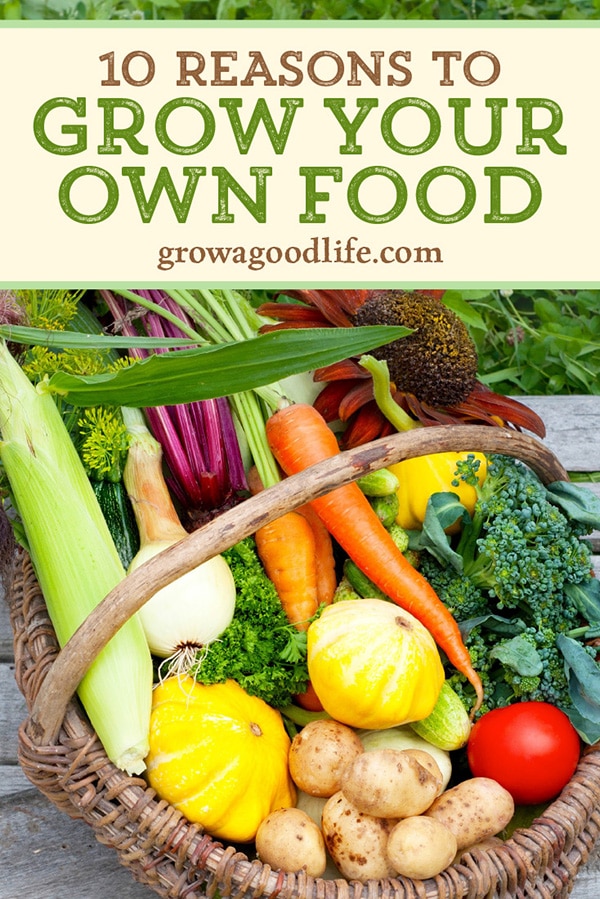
(12, 712)
(6, 642)
(44, 853)
(13, 781)
(587, 883)
(572, 435)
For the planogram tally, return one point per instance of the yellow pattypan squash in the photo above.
(219, 756)
(372, 664)
(421, 477)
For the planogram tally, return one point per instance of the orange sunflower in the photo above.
(433, 370)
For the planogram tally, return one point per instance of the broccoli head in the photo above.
(514, 581)
(521, 547)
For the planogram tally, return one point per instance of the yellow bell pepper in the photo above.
(421, 477)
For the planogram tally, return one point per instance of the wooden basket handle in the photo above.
(127, 597)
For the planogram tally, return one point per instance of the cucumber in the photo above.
(399, 536)
(386, 508)
(118, 512)
(361, 583)
(379, 483)
(448, 726)
(344, 590)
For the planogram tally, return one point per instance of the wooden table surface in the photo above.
(46, 855)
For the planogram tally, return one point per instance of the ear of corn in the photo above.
(75, 560)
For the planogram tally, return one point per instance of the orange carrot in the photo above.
(324, 559)
(299, 437)
(323, 547)
(286, 548)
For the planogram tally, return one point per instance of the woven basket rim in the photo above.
(175, 858)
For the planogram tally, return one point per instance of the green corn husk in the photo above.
(75, 560)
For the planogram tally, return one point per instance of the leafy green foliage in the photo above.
(260, 649)
(209, 371)
(299, 9)
(535, 341)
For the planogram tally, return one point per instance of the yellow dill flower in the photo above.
(49, 309)
(104, 442)
(41, 362)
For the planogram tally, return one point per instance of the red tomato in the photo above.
(530, 748)
(309, 700)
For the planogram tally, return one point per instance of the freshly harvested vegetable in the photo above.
(372, 664)
(519, 580)
(198, 439)
(297, 553)
(531, 748)
(474, 809)
(299, 436)
(423, 476)
(360, 583)
(386, 508)
(219, 756)
(389, 783)
(289, 840)
(117, 510)
(379, 483)
(192, 611)
(405, 738)
(426, 759)
(99, 434)
(286, 547)
(309, 700)
(448, 726)
(324, 556)
(260, 649)
(75, 560)
(356, 842)
(319, 755)
(421, 847)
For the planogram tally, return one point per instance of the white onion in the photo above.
(192, 611)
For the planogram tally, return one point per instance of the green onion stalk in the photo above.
(74, 558)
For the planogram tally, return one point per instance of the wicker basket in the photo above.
(61, 755)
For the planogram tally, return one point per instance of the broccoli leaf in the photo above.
(494, 623)
(443, 510)
(584, 687)
(587, 728)
(586, 596)
(576, 501)
(520, 655)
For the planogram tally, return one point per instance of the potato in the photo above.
(405, 738)
(389, 783)
(427, 760)
(473, 810)
(290, 840)
(319, 754)
(420, 847)
(356, 842)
